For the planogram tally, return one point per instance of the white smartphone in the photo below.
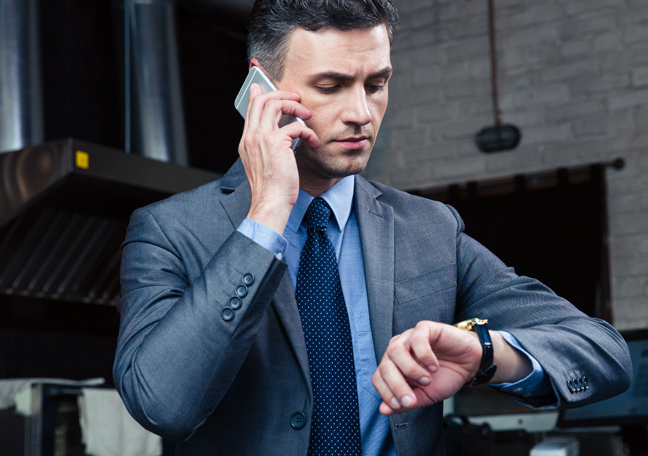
(257, 76)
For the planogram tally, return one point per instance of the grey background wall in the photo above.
(573, 76)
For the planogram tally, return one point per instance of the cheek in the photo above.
(378, 109)
(324, 117)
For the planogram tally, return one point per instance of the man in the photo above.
(295, 308)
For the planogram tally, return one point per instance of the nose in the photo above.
(356, 111)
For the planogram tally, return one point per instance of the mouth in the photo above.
(353, 142)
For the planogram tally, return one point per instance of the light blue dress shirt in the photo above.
(344, 235)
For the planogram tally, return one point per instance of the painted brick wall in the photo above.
(573, 77)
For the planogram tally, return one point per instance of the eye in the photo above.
(327, 89)
(374, 88)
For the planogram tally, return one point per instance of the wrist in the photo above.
(273, 215)
(513, 365)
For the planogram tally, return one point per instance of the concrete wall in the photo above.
(573, 77)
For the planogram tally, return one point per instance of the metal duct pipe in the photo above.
(158, 118)
(21, 102)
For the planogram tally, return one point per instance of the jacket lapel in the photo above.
(237, 205)
(286, 306)
(238, 199)
(376, 226)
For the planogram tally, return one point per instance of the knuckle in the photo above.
(422, 324)
(382, 370)
(410, 371)
(400, 389)
(248, 143)
(418, 339)
(256, 102)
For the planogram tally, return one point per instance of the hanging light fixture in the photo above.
(501, 136)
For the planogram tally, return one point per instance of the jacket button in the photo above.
(235, 303)
(248, 279)
(241, 291)
(298, 420)
(227, 314)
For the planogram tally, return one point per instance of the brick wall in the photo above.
(573, 77)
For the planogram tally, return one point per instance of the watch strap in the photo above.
(486, 369)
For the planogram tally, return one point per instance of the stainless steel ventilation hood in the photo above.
(64, 209)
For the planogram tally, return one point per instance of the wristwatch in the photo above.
(486, 368)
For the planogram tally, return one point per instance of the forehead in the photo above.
(354, 52)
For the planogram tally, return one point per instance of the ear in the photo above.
(254, 62)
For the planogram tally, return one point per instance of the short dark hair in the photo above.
(272, 22)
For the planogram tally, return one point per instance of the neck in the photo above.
(317, 187)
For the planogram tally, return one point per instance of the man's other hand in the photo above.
(267, 157)
(432, 361)
(425, 365)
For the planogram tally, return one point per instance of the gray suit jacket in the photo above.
(230, 387)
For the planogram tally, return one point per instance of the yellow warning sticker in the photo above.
(82, 160)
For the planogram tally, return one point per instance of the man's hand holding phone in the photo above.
(267, 154)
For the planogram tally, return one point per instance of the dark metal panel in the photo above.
(64, 209)
(21, 255)
(38, 252)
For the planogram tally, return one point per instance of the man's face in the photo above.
(342, 78)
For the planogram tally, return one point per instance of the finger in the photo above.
(386, 409)
(253, 92)
(275, 109)
(422, 349)
(385, 393)
(400, 354)
(266, 106)
(297, 130)
(257, 101)
(396, 384)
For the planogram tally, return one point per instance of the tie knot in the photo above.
(317, 215)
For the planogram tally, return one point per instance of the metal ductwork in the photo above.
(157, 114)
(65, 205)
(64, 209)
(21, 110)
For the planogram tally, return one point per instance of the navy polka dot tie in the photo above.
(335, 429)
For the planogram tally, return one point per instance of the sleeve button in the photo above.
(235, 303)
(227, 314)
(248, 279)
(241, 291)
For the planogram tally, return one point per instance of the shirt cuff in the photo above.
(537, 383)
(264, 236)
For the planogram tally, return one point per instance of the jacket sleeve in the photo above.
(176, 354)
(586, 359)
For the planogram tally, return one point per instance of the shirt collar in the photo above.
(339, 197)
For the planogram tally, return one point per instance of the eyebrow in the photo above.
(345, 77)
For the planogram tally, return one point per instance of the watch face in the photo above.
(469, 325)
